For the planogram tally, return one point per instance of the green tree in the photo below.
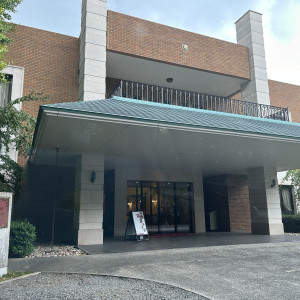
(6, 8)
(16, 130)
(294, 177)
(16, 126)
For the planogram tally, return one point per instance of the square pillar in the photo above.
(198, 206)
(249, 33)
(92, 64)
(88, 207)
(264, 201)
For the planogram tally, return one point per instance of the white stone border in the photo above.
(4, 237)
(16, 92)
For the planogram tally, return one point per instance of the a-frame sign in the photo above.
(136, 227)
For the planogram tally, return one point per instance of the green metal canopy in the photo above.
(145, 111)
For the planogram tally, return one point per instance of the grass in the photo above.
(11, 275)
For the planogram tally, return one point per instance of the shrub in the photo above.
(22, 237)
(291, 223)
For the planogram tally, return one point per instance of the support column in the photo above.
(92, 65)
(264, 201)
(198, 207)
(88, 208)
(249, 32)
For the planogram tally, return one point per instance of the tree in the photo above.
(6, 8)
(294, 177)
(16, 130)
(16, 126)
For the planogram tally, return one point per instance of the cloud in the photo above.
(282, 39)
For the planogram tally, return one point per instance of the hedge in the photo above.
(291, 223)
(22, 237)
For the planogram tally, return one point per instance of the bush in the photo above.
(291, 223)
(22, 237)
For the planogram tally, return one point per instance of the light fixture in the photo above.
(169, 80)
(273, 183)
(93, 176)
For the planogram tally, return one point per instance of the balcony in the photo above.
(159, 94)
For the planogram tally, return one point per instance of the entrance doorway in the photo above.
(166, 205)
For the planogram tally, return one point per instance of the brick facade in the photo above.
(286, 95)
(132, 36)
(229, 196)
(51, 63)
(238, 203)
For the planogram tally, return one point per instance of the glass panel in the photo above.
(167, 207)
(133, 196)
(287, 206)
(183, 207)
(150, 205)
(5, 92)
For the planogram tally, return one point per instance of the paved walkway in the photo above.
(118, 245)
(249, 271)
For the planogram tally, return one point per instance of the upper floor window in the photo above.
(5, 91)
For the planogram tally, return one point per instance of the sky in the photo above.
(214, 18)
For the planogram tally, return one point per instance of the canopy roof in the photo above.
(182, 116)
(134, 133)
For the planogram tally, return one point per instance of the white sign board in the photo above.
(139, 223)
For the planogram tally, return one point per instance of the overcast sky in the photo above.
(214, 18)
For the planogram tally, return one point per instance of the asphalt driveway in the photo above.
(253, 271)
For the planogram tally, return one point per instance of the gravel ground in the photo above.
(79, 286)
(55, 250)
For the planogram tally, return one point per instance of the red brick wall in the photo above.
(229, 196)
(238, 202)
(141, 38)
(286, 95)
(51, 63)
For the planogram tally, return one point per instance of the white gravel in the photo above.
(55, 250)
(79, 286)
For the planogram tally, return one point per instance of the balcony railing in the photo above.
(159, 94)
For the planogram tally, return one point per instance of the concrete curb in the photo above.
(19, 277)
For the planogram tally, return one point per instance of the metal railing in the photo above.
(159, 94)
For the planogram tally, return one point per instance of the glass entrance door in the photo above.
(150, 194)
(183, 211)
(166, 205)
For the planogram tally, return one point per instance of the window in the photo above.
(5, 91)
(286, 199)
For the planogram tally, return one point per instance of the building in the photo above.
(177, 124)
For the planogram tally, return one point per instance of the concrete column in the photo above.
(88, 216)
(264, 201)
(92, 65)
(120, 209)
(249, 32)
(199, 211)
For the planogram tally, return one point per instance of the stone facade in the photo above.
(4, 238)
(249, 32)
(92, 73)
